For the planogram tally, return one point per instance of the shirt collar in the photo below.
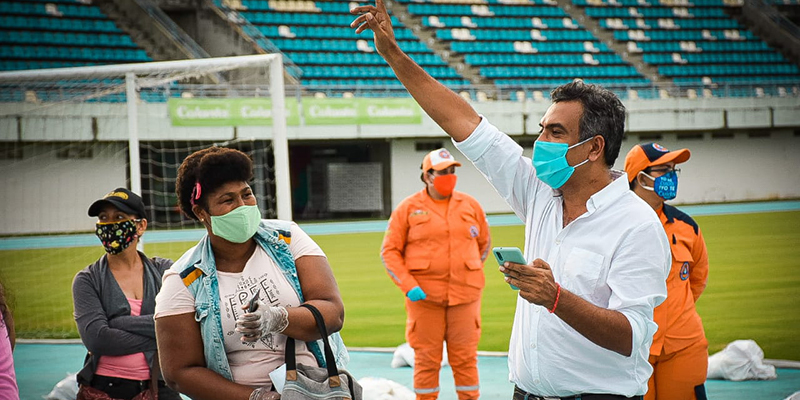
(610, 193)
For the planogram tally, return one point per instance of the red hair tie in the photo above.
(196, 192)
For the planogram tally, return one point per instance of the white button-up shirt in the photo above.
(615, 256)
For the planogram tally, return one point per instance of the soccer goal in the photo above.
(70, 135)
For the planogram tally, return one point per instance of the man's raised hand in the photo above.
(377, 19)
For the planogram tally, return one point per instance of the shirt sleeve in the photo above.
(302, 244)
(698, 275)
(637, 279)
(139, 324)
(174, 298)
(499, 158)
(484, 239)
(162, 264)
(97, 334)
(393, 249)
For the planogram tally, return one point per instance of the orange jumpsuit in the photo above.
(679, 354)
(440, 247)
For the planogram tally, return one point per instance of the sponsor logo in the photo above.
(685, 271)
(121, 195)
(332, 112)
(384, 111)
(198, 112)
(660, 148)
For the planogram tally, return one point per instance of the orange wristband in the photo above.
(555, 303)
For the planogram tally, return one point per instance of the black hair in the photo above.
(603, 114)
(211, 168)
(422, 175)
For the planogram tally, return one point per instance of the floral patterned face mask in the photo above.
(116, 236)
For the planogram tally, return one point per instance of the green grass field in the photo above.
(753, 285)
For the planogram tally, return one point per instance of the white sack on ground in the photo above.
(404, 356)
(740, 360)
(66, 389)
(384, 389)
(793, 396)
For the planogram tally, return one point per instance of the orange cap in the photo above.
(647, 155)
(438, 160)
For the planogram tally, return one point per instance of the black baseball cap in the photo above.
(121, 198)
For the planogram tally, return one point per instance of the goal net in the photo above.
(68, 136)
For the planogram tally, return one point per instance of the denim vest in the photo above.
(198, 271)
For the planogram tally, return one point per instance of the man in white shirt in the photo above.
(598, 256)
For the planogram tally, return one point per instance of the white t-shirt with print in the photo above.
(250, 363)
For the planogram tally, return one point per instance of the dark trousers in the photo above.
(520, 394)
(126, 389)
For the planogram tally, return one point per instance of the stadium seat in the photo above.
(53, 34)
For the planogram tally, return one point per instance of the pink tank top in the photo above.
(8, 379)
(131, 366)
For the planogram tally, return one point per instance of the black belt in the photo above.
(102, 382)
(520, 394)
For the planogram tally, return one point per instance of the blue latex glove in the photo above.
(416, 294)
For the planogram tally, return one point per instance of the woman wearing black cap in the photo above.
(114, 300)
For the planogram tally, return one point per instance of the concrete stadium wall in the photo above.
(46, 193)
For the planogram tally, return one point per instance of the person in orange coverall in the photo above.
(679, 353)
(434, 250)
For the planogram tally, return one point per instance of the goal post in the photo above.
(152, 74)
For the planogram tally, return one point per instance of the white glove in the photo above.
(263, 393)
(262, 321)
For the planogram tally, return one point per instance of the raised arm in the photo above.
(97, 334)
(454, 115)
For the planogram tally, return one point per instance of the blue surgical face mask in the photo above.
(665, 186)
(550, 161)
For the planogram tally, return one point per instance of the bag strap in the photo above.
(291, 361)
(155, 372)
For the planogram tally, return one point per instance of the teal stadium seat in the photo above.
(693, 42)
(35, 35)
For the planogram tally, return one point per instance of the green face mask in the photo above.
(237, 226)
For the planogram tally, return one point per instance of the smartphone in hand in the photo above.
(252, 304)
(510, 254)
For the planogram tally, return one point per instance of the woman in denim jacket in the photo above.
(211, 347)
